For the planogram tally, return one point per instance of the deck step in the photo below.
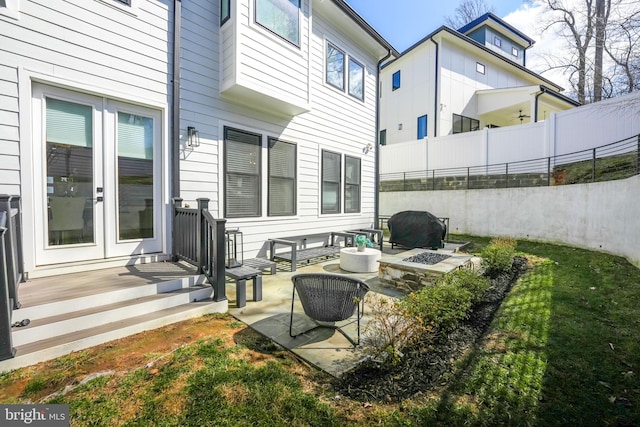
(50, 348)
(72, 312)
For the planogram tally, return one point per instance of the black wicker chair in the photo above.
(329, 298)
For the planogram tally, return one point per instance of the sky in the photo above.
(408, 21)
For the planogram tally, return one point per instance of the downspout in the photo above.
(175, 101)
(435, 93)
(376, 184)
(535, 113)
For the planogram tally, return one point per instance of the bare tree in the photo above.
(467, 11)
(577, 27)
(603, 9)
(623, 48)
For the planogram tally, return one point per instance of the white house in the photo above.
(465, 80)
(110, 108)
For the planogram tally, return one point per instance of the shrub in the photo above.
(468, 279)
(439, 308)
(498, 256)
(390, 330)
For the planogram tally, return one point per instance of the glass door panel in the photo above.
(69, 173)
(135, 177)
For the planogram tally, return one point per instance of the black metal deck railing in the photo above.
(617, 160)
(198, 238)
(11, 268)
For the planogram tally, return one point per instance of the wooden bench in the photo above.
(240, 275)
(299, 252)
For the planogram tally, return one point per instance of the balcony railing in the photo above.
(617, 160)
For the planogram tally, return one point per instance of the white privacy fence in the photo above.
(579, 129)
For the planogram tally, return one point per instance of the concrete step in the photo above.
(50, 348)
(96, 315)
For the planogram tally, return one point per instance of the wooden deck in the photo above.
(69, 286)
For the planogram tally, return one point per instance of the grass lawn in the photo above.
(564, 349)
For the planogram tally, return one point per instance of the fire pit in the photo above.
(403, 272)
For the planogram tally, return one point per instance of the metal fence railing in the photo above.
(617, 160)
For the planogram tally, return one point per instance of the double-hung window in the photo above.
(282, 178)
(422, 127)
(242, 173)
(335, 67)
(331, 184)
(351, 184)
(281, 17)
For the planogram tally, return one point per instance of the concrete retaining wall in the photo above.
(602, 216)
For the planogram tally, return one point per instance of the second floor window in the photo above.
(282, 17)
(395, 84)
(335, 67)
(422, 127)
(383, 137)
(356, 79)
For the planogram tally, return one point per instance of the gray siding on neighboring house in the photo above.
(9, 131)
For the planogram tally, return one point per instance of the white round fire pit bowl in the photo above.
(359, 262)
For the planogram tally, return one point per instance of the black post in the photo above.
(177, 203)
(404, 181)
(593, 167)
(203, 205)
(219, 292)
(13, 245)
(506, 172)
(6, 344)
(548, 171)
(433, 179)
(638, 157)
(468, 177)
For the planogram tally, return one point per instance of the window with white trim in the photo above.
(282, 178)
(242, 168)
(281, 17)
(356, 79)
(480, 68)
(331, 183)
(514, 51)
(352, 185)
(338, 75)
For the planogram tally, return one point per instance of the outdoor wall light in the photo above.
(193, 137)
(399, 126)
(367, 148)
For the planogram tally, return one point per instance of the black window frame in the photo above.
(467, 124)
(426, 126)
(395, 81)
(497, 41)
(480, 68)
(228, 174)
(362, 74)
(352, 185)
(515, 51)
(383, 137)
(326, 66)
(295, 42)
(294, 202)
(338, 186)
(224, 17)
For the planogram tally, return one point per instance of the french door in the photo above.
(98, 177)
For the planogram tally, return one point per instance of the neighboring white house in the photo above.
(465, 80)
(273, 120)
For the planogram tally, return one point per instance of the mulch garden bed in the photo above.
(423, 365)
